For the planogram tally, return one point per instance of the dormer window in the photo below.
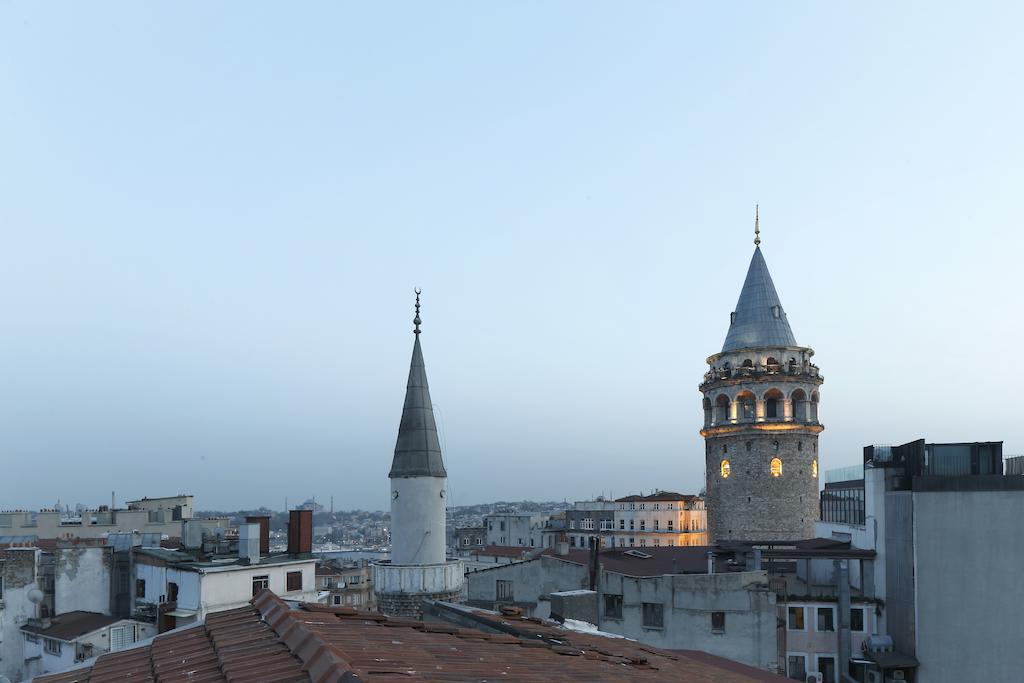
(732, 317)
(776, 311)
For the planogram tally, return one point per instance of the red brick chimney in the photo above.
(300, 533)
(264, 522)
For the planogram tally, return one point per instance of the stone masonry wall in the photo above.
(751, 504)
(410, 605)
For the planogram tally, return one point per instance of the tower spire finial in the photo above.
(416, 321)
(757, 225)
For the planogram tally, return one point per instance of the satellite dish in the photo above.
(35, 596)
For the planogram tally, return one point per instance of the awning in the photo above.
(892, 660)
(181, 613)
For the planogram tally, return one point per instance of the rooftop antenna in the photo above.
(416, 321)
(757, 225)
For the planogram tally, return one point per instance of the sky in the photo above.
(213, 216)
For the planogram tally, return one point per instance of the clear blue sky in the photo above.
(213, 215)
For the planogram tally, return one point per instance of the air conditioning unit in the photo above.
(874, 677)
(814, 677)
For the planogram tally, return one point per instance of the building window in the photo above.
(140, 588)
(259, 583)
(632, 541)
(294, 581)
(826, 622)
(572, 523)
(814, 468)
(726, 469)
(654, 614)
(51, 646)
(503, 589)
(776, 467)
(796, 619)
(670, 522)
(643, 525)
(631, 524)
(336, 599)
(827, 667)
(857, 619)
(622, 524)
(718, 622)
(172, 592)
(796, 667)
(613, 606)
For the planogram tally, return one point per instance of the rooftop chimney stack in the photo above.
(300, 533)
(193, 532)
(264, 522)
(249, 543)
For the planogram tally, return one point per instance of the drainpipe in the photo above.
(711, 562)
(842, 569)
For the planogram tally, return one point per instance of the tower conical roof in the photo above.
(418, 452)
(759, 319)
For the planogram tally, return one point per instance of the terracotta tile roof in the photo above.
(269, 642)
(659, 496)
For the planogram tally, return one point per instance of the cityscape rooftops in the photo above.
(268, 642)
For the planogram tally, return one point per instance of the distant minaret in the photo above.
(418, 569)
(761, 421)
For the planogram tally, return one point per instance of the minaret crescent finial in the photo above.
(416, 321)
(757, 225)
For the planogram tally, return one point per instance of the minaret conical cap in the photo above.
(418, 451)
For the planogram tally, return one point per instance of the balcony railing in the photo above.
(757, 371)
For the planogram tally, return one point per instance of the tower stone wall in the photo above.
(761, 425)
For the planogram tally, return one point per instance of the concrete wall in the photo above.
(521, 530)
(969, 588)
(20, 576)
(532, 582)
(82, 579)
(688, 602)
(417, 520)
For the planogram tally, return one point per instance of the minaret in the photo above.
(761, 421)
(417, 569)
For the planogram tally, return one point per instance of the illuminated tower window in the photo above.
(726, 469)
(814, 468)
(776, 467)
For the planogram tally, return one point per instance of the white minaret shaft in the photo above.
(418, 478)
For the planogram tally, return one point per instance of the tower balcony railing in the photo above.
(801, 419)
(764, 370)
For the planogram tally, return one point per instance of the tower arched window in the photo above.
(773, 400)
(721, 409)
(776, 467)
(799, 400)
(814, 468)
(772, 365)
(814, 407)
(746, 408)
(726, 469)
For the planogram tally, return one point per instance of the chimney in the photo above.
(249, 543)
(300, 533)
(193, 533)
(562, 545)
(711, 562)
(264, 522)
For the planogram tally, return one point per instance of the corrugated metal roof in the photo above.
(759, 319)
